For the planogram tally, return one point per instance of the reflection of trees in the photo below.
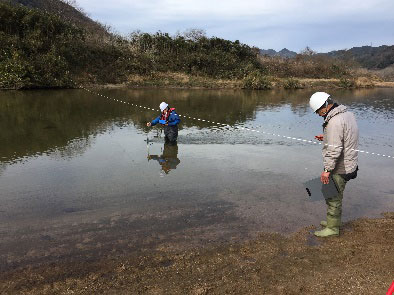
(224, 106)
(37, 121)
(66, 120)
(2, 168)
(376, 100)
(73, 148)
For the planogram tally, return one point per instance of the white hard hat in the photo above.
(163, 106)
(317, 100)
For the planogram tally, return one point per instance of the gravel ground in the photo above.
(360, 261)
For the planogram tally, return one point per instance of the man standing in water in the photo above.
(340, 156)
(170, 119)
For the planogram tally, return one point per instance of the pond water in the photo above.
(78, 178)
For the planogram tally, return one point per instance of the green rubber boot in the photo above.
(332, 228)
(324, 223)
(327, 232)
(334, 210)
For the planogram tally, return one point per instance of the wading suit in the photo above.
(339, 156)
(170, 130)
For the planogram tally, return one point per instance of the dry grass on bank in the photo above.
(169, 80)
(178, 80)
(360, 261)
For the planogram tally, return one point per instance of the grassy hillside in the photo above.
(66, 10)
(49, 43)
(375, 58)
(42, 49)
(368, 57)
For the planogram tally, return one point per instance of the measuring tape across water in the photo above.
(237, 127)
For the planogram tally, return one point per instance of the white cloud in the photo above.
(280, 23)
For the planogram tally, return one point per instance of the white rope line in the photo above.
(244, 128)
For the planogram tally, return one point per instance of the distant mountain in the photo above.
(269, 52)
(285, 53)
(367, 56)
(67, 10)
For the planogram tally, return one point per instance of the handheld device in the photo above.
(316, 190)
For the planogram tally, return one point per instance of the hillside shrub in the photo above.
(257, 81)
(292, 83)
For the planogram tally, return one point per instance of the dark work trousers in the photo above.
(171, 133)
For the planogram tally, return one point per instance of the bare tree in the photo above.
(194, 34)
(307, 51)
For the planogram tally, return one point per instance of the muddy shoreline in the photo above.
(180, 82)
(277, 83)
(360, 261)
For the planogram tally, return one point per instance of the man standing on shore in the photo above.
(170, 120)
(340, 156)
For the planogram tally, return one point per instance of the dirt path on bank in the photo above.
(360, 261)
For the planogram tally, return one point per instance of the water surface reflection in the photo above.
(75, 180)
(168, 160)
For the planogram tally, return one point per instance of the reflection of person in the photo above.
(170, 119)
(169, 159)
(340, 157)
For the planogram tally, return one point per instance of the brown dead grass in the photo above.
(384, 84)
(360, 261)
(179, 80)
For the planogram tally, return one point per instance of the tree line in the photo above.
(41, 49)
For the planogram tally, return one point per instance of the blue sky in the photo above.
(321, 25)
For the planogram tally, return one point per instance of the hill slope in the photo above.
(42, 49)
(282, 53)
(67, 10)
(49, 43)
(367, 56)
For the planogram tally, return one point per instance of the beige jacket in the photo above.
(340, 141)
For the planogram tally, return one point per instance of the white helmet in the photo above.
(163, 106)
(317, 100)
